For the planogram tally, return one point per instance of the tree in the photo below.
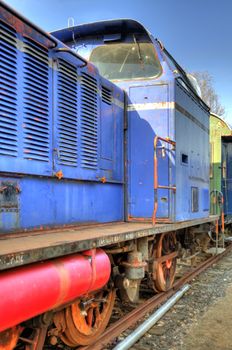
(208, 93)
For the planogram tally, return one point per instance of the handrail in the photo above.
(219, 199)
(156, 185)
(70, 52)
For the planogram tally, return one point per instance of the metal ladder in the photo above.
(156, 185)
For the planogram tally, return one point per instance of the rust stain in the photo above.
(92, 253)
(59, 174)
(103, 179)
(91, 69)
(64, 283)
(23, 28)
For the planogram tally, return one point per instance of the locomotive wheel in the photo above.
(164, 269)
(9, 338)
(82, 326)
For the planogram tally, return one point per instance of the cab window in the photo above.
(125, 61)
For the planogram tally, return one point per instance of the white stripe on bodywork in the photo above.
(118, 103)
(147, 106)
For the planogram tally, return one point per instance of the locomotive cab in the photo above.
(167, 170)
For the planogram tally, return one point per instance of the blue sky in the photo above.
(198, 33)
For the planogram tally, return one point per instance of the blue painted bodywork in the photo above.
(185, 125)
(143, 126)
(192, 140)
(51, 202)
(61, 119)
(166, 106)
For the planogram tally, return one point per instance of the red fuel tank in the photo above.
(28, 291)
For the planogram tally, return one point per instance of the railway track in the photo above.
(130, 319)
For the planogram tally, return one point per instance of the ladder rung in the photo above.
(173, 188)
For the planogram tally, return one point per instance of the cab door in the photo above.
(148, 117)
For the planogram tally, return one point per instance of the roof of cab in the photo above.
(124, 26)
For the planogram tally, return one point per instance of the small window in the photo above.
(184, 158)
(195, 199)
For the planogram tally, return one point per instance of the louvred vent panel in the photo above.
(36, 101)
(89, 114)
(8, 92)
(67, 113)
(106, 95)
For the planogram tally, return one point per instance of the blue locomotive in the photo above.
(104, 166)
(160, 103)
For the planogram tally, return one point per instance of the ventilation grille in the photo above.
(36, 105)
(89, 113)
(67, 114)
(106, 95)
(8, 91)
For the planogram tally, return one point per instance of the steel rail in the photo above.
(144, 327)
(134, 316)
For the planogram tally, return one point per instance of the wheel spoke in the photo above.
(97, 315)
(90, 317)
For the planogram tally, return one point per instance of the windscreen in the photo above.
(126, 61)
